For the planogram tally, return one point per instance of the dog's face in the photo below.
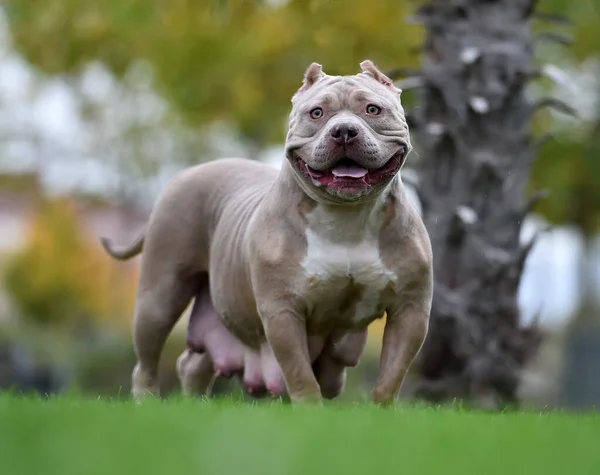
(347, 136)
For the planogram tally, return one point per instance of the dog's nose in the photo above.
(344, 133)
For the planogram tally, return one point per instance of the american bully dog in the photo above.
(288, 268)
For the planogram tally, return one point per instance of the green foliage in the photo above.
(582, 24)
(237, 60)
(570, 169)
(568, 166)
(240, 61)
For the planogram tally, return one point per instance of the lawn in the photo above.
(65, 436)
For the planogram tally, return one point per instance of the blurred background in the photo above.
(101, 103)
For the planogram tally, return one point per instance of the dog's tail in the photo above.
(125, 253)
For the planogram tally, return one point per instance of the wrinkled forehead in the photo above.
(340, 90)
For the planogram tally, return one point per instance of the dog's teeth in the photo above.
(314, 173)
(349, 171)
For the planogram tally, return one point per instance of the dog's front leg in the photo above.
(285, 330)
(404, 334)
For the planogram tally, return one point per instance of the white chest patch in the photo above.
(340, 252)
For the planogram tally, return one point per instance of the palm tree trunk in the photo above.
(476, 152)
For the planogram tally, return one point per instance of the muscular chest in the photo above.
(347, 284)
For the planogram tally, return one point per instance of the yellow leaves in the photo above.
(61, 275)
(375, 336)
(247, 95)
(91, 25)
(321, 38)
(278, 33)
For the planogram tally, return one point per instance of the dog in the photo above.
(287, 268)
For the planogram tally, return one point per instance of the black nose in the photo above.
(344, 133)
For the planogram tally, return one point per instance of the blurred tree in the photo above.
(61, 276)
(569, 163)
(478, 57)
(569, 168)
(238, 61)
(474, 137)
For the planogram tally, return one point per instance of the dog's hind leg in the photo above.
(343, 350)
(163, 295)
(331, 376)
(195, 365)
(196, 375)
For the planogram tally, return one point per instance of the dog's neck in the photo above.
(332, 217)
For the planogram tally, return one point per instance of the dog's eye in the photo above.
(316, 113)
(372, 109)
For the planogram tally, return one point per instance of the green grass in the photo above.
(86, 437)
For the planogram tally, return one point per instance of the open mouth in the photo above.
(347, 175)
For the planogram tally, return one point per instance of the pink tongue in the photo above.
(347, 170)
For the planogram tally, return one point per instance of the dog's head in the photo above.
(347, 136)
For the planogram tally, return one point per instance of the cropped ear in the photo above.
(313, 74)
(370, 69)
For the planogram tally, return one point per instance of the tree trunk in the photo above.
(476, 152)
